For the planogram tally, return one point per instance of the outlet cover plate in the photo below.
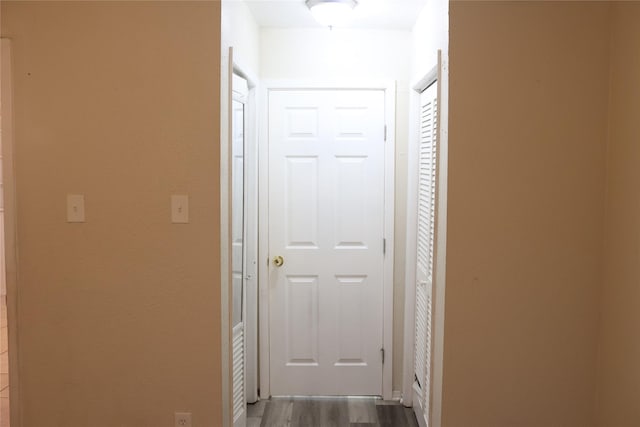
(183, 419)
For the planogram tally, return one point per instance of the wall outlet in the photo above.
(183, 419)
(180, 209)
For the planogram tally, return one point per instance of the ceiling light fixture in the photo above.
(331, 13)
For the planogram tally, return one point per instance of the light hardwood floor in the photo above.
(326, 412)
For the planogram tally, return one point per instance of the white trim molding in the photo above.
(229, 68)
(226, 348)
(251, 234)
(440, 267)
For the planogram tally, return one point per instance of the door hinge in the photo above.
(384, 246)
(385, 132)
(382, 354)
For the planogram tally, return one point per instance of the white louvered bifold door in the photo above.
(425, 243)
(238, 249)
(239, 401)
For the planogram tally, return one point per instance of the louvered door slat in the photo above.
(239, 400)
(425, 243)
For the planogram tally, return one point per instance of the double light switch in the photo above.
(179, 208)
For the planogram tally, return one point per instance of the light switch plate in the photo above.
(75, 208)
(180, 209)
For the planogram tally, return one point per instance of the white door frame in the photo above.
(389, 89)
(251, 237)
(226, 334)
(240, 93)
(437, 74)
(228, 66)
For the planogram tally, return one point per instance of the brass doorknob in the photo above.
(278, 261)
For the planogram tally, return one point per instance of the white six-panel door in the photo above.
(326, 201)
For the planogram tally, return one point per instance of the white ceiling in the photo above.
(369, 14)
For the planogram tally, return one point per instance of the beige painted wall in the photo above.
(528, 106)
(354, 55)
(620, 342)
(239, 29)
(430, 34)
(119, 317)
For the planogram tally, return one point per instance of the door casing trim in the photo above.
(389, 88)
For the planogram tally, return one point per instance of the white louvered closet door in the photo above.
(238, 248)
(428, 148)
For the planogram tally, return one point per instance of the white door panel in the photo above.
(326, 188)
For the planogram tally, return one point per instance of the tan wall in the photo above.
(119, 317)
(528, 107)
(620, 343)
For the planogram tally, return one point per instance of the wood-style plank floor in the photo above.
(329, 412)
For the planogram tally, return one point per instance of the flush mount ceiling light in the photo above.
(331, 12)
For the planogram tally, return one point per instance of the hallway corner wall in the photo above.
(619, 372)
(528, 126)
(118, 317)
